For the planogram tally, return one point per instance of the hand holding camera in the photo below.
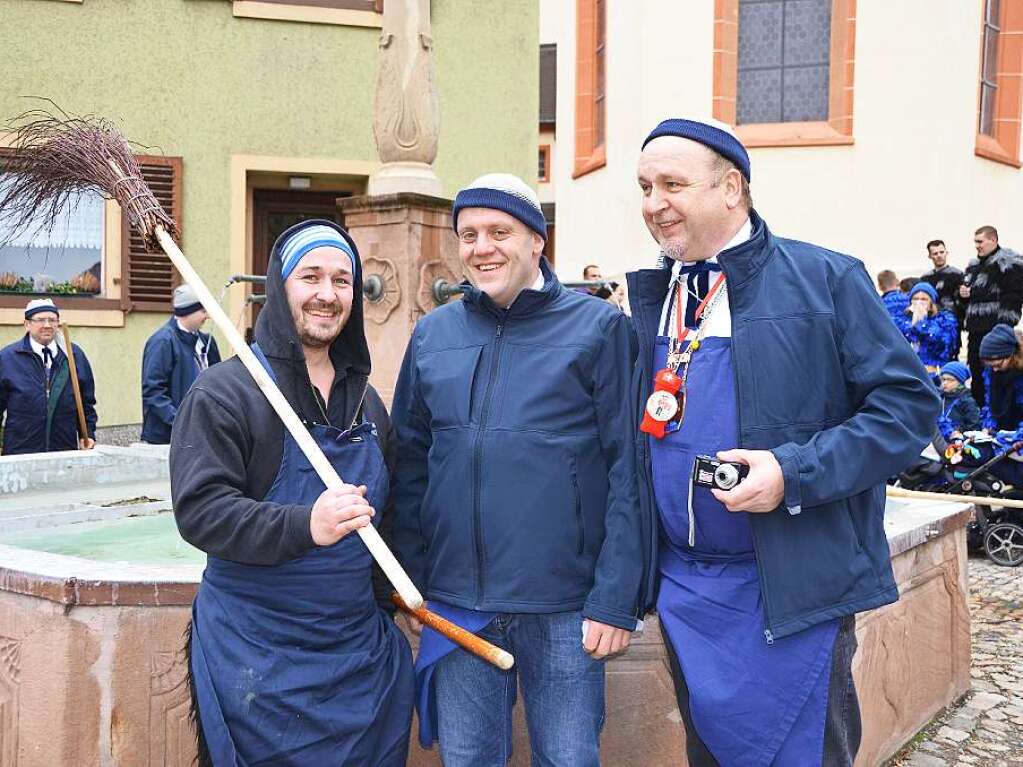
(763, 487)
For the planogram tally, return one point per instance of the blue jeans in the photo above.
(562, 690)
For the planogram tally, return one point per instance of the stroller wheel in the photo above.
(1003, 543)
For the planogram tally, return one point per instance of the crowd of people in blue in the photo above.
(983, 301)
(538, 476)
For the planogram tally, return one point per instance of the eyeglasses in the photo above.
(45, 321)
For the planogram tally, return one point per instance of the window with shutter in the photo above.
(148, 279)
(1001, 62)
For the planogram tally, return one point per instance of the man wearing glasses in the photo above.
(36, 397)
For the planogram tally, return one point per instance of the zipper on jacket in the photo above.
(768, 633)
(477, 464)
(580, 532)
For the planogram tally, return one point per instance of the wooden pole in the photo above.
(979, 500)
(83, 428)
(503, 659)
(377, 548)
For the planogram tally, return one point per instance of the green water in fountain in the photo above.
(149, 540)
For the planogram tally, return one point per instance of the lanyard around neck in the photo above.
(681, 331)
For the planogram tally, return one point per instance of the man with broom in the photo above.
(291, 658)
(36, 390)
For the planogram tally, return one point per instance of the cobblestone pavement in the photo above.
(986, 728)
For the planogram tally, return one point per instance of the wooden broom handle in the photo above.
(75, 388)
(979, 500)
(503, 659)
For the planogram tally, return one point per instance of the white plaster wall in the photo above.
(910, 176)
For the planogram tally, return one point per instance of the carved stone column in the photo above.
(407, 241)
(406, 119)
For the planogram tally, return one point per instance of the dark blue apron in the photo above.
(752, 703)
(296, 664)
(433, 647)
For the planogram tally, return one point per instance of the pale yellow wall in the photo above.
(910, 176)
(191, 79)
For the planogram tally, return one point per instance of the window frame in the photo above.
(1003, 145)
(837, 130)
(545, 178)
(111, 265)
(590, 87)
(348, 13)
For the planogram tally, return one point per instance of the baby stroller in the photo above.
(984, 466)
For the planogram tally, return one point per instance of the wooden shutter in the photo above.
(148, 279)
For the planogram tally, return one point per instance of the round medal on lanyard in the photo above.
(662, 406)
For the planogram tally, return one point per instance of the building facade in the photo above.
(252, 115)
(873, 126)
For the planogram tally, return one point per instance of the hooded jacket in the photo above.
(227, 442)
(825, 382)
(168, 371)
(959, 412)
(37, 421)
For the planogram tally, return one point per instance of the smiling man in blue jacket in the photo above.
(515, 501)
(788, 363)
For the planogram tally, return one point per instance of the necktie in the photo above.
(47, 362)
(698, 284)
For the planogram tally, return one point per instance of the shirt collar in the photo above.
(740, 237)
(38, 347)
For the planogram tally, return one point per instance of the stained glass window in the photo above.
(784, 60)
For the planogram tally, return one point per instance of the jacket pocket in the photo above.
(447, 379)
(580, 529)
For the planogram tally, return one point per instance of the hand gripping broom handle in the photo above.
(383, 556)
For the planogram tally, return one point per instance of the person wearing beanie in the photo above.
(515, 506)
(789, 365)
(293, 655)
(992, 292)
(1001, 352)
(959, 411)
(172, 359)
(37, 401)
(932, 332)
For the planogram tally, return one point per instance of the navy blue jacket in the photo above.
(825, 381)
(36, 423)
(515, 488)
(168, 371)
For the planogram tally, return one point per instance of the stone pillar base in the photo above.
(407, 240)
(399, 177)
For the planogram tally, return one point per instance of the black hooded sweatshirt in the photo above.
(227, 442)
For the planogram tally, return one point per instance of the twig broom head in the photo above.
(57, 157)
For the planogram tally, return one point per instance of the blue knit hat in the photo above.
(304, 239)
(957, 370)
(999, 343)
(717, 137)
(38, 306)
(925, 287)
(504, 192)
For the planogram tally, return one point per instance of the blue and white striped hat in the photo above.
(504, 192)
(305, 239)
(40, 305)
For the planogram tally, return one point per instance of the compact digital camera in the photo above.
(722, 475)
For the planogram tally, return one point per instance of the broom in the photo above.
(56, 158)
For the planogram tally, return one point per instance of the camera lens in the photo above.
(726, 476)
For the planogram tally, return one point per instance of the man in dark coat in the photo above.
(174, 356)
(291, 657)
(36, 392)
(790, 366)
(946, 281)
(993, 291)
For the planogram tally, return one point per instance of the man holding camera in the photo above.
(777, 356)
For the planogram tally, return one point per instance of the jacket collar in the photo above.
(527, 302)
(745, 261)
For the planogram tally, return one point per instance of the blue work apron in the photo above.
(752, 703)
(433, 647)
(295, 664)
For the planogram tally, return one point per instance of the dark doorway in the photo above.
(274, 210)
